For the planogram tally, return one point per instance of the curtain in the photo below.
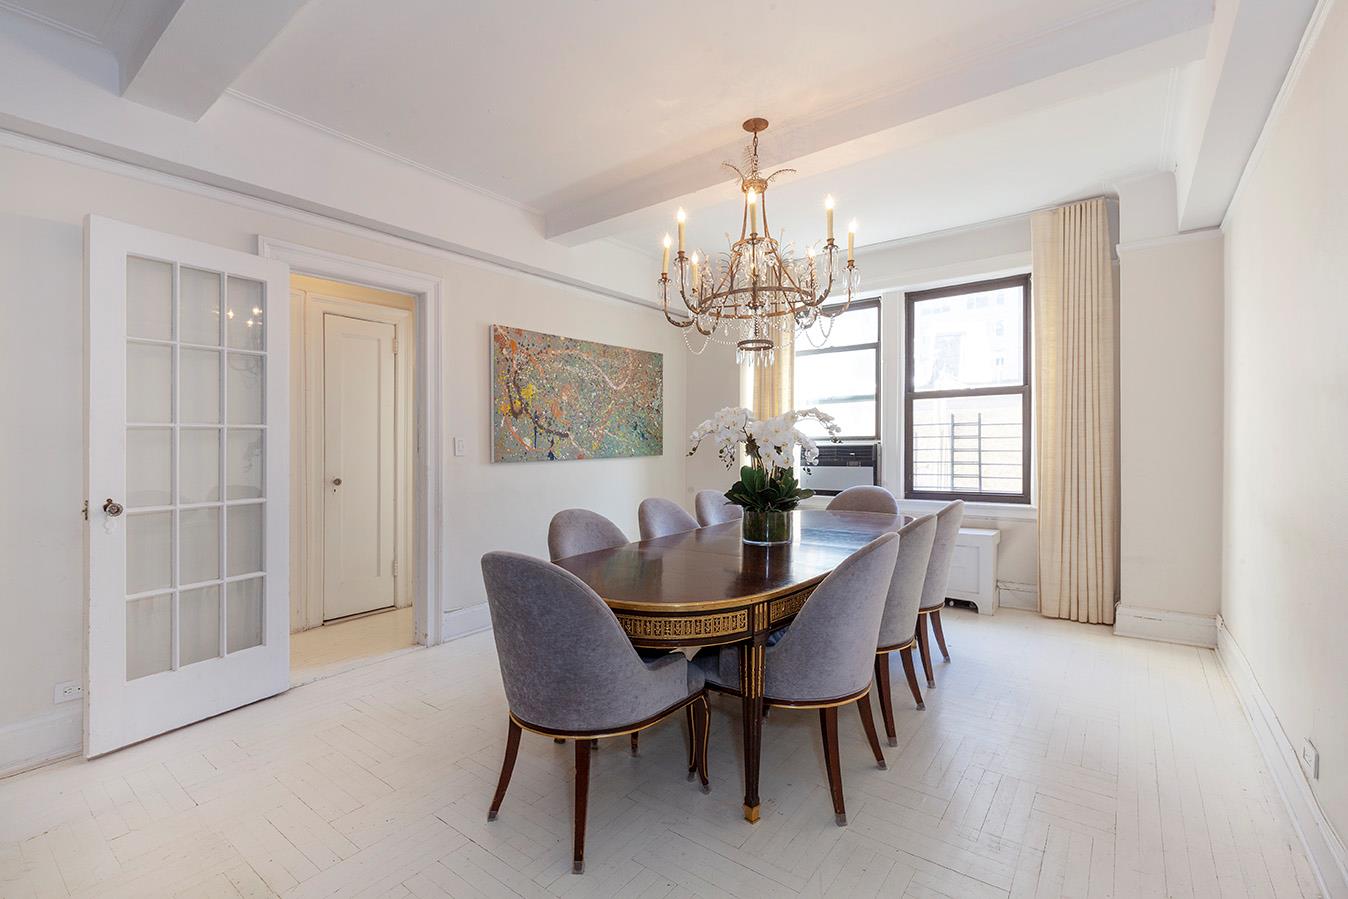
(1076, 391)
(774, 385)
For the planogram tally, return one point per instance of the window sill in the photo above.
(997, 511)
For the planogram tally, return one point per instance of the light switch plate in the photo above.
(460, 446)
(1310, 757)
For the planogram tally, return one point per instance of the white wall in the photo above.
(1286, 422)
(1170, 434)
(41, 415)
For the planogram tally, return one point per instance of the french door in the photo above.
(188, 482)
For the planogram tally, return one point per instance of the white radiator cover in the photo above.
(973, 568)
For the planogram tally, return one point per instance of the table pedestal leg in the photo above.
(751, 689)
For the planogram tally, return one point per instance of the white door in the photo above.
(188, 529)
(359, 500)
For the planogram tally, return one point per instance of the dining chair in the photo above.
(659, 517)
(712, 507)
(948, 520)
(898, 627)
(865, 498)
(824, 660)
(576, 531)
(569, 671)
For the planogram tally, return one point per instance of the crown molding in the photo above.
(1168, 240)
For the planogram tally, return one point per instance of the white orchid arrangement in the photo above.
(769, 481)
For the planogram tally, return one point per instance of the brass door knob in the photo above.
(112, 509)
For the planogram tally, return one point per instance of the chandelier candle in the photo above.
(758, 287)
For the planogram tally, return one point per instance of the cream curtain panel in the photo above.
(1076, 391)
(774, 385)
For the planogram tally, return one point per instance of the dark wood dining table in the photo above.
(706, 587)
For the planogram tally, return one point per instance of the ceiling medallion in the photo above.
(759, 287)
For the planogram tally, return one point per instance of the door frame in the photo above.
(430, 461)
(311, 476)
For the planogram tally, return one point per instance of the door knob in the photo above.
(112, 509)
(336, 482)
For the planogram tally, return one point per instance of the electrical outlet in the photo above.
(460, 446)
(68, 692)
(1310, 756)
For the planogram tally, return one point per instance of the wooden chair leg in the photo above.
(868, 723)
(882, 687)
(940, 634)
(828, 724)
(906, 655)
(582, 802)
(704, 733)
(692, 739)
(924, 650)
(635, 736)
(507, 768)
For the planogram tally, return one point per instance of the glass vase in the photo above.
(766, 527)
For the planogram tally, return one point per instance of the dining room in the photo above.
(746, 450)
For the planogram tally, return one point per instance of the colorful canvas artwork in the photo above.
(557, 398)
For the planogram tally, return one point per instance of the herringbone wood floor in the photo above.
(1053, 759)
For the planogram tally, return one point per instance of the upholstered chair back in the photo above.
(565, 661)
(576, 531)
(828, 652)
(942, 551)
(712, 508)
(661, 517)
(899, 624)
(864, 498)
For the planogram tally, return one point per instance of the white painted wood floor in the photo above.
(1053, 759)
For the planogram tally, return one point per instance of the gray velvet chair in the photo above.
(576, 531)
(711, 508)
(824, 661)
(865, 498)
(948, 521)
(661, 517)
(898, 628)
(570, 672)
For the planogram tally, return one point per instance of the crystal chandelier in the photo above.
(760, 287)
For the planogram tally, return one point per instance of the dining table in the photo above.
(708, 588)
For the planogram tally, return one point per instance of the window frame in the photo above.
(868, 303)
(910, 299)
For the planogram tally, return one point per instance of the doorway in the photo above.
(353, 414)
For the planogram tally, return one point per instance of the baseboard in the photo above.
(1166, 626)
(1324, 848)
(55, 735)
(462, 622)
(1018, 596)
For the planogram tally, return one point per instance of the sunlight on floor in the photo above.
(324, 651)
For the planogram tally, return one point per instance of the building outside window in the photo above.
(840, 373)
(967, 392)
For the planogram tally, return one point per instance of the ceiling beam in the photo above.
(1253, 45)
(842, 132)
(200, 51)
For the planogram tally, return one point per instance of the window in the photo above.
(967, 392)
(841, 374)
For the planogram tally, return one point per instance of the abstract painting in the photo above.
(558, 398)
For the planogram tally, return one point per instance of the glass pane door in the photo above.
(196, 425)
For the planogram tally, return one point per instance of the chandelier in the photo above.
(759, 287)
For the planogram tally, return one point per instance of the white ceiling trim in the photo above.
(52, 23)
(464, 256)
(387, 154)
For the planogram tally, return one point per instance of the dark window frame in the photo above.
(868, 303)
(1023, 389)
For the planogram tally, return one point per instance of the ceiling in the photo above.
(598, 118)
